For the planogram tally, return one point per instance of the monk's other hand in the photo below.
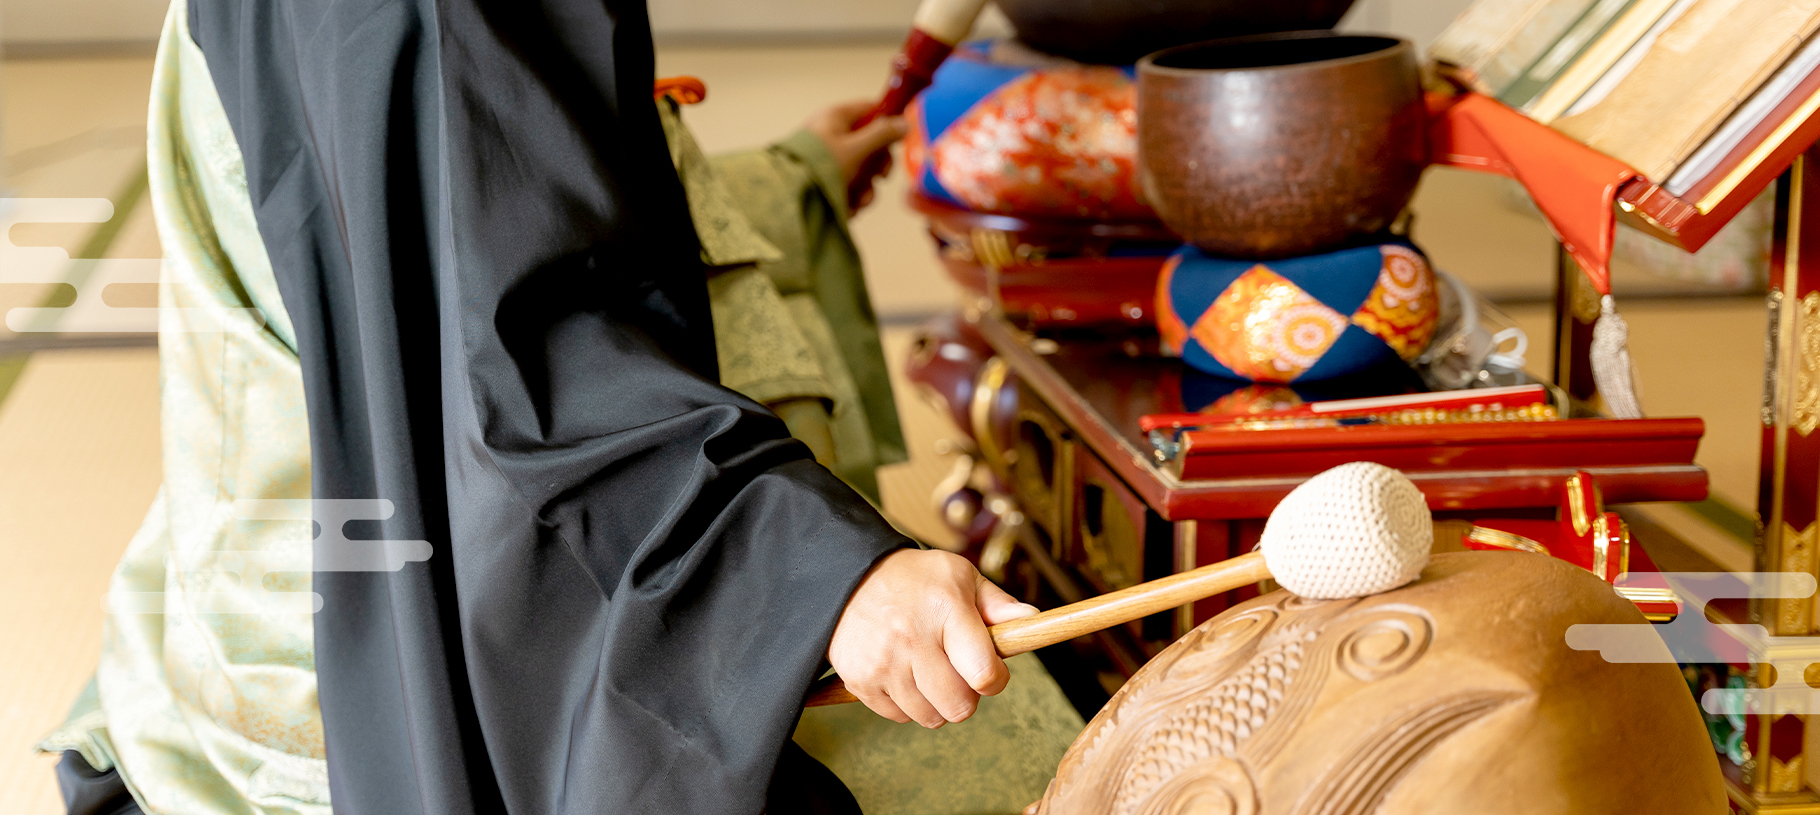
(863, 153)
(912, 641)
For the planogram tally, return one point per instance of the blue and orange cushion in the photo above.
(1298, 319)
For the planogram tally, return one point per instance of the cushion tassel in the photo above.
(1613, 373)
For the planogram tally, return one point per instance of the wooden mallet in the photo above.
(1355, 530)
(938, 27)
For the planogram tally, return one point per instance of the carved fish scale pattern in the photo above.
(1137, 695)
(1217, 724)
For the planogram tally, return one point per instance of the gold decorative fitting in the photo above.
(1576, 505)
(1472, 415)
(1770, 363)
(1807, 367)
(1797, 556)
(957, 514)
(1601, 548)
(1623, 547)
(1504, 540)
(986, 389)
(996, 554)
(993, 249)
(1109, 536)
(1040, 461)
(1789, 776)
(1646, 594)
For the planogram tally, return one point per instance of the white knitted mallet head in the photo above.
(1357, 529)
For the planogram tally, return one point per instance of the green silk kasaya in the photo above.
(792, 319)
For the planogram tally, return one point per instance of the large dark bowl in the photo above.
(1117, 32)
(1281, 144)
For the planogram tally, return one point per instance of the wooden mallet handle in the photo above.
(1097, 613)
(939, 26)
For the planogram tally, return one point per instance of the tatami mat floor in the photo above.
(78, 429)
(78, 467)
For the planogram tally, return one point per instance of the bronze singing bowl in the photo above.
(1280, 144)
(1117, 32)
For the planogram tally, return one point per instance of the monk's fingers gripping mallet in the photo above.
(1355, 530)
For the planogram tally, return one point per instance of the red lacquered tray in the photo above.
(1575, 443)
(1053, 237)
(1069, 291)
(1054, 272)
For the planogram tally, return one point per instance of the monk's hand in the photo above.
(863, 154)
(912, 642)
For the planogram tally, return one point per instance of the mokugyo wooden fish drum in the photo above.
(1456, 693)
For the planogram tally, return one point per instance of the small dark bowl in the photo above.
(1281, 144)
(1117, 32)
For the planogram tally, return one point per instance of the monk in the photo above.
(457, 517)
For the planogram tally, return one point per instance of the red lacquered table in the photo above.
(1094, 506)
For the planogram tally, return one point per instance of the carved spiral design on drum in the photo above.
(1215, 786)
(1296, 602)
(1386, 643)
(1238, 630)
(1211, 648)
(1242, 627)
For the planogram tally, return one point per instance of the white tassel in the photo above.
(1612, 371)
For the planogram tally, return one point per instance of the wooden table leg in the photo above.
(1198, 543)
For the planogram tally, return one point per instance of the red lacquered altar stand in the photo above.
(1055, 417)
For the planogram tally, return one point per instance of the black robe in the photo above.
(503, 326)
